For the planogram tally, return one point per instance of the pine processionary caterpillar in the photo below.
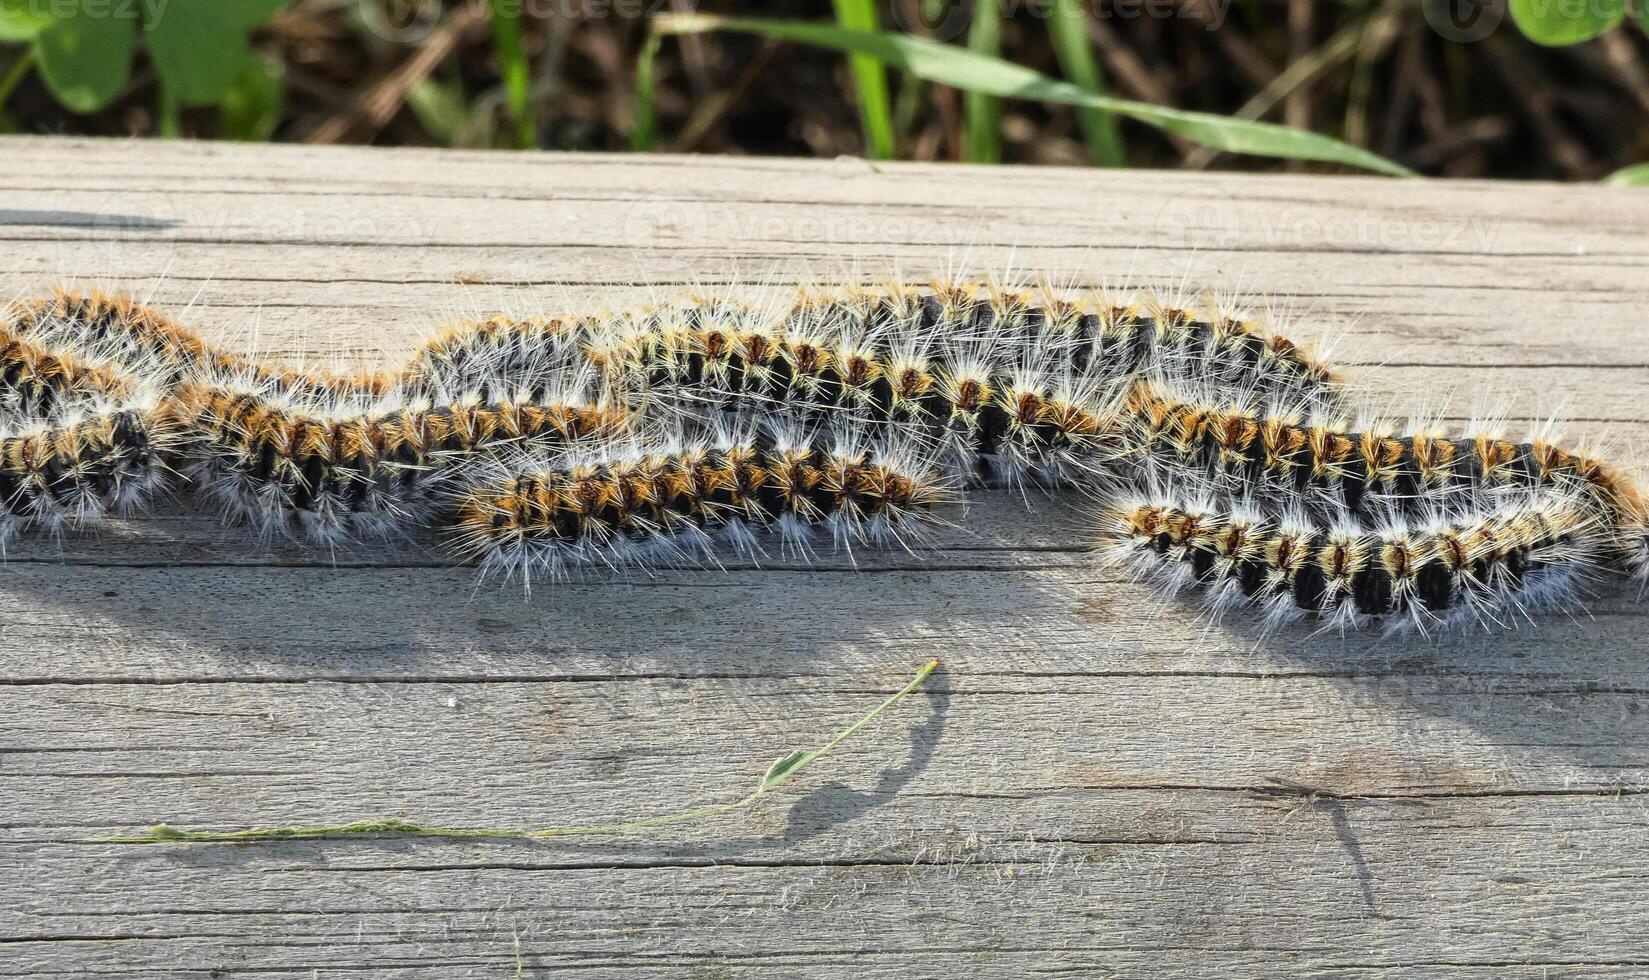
(1488, 567)
(675, 497)
(478, 360)
(328, 478)
(36, 383)
(1007, 423)
(909, 387)
(74, 474)
(1012, 383)
(1126, 335)
(119, 331)
(1236, 452)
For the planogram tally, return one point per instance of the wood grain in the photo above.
(1097, 784)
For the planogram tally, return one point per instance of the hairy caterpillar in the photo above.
(120, 331)
(959, 380)
(1237, 452)
(1125, 334)
(1009, 380)
(675, 497)
(327, 473)
(1012, 384)
(988, 415)
(482, 358)
(1487, 565)
(74, 474)
(42, 384)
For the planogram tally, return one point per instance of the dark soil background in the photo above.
(1401, 78)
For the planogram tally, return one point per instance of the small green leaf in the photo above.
(199, 46)
(22, 20)
(1636, 175)
(1559, 22)
(947, 64)
(86, 57)
(251, 109)
(781, 770)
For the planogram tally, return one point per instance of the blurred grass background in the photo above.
(1447, 88)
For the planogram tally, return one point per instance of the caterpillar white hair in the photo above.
(921, 389)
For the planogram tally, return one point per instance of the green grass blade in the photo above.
(949, 65)
(981, 111)
(870, 79)
(644, 129)
(1302, 71)
(1068, 29)
(14, 75)
(512, 66)
(168, 111)
(780, 770)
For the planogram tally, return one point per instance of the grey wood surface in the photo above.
(1096, 784)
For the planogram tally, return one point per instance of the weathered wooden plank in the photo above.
(1513, 887)
(1426, 265)
(585, 749)
(1098, 784)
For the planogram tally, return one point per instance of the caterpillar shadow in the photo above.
(1010, 599)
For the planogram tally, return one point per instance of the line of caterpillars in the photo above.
(546, 443)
